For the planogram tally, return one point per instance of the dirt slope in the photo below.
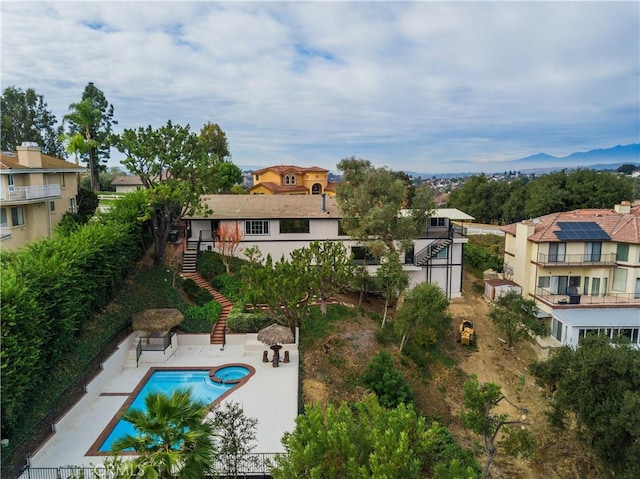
(330, 371)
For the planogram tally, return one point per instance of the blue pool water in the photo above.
(201, 385)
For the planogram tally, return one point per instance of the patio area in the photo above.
(270, 395)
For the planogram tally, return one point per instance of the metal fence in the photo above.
(250, 466)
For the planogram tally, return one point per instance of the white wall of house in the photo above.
(446, 272)
(568, 326)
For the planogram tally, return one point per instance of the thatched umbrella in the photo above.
(156, 320)
(275, 334)
(272, 336)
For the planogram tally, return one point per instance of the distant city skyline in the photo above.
(434, 87)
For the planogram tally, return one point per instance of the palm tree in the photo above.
(171, 438)
(87, 117)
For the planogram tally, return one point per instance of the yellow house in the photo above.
(582, 268)
(291, 180)
(35, 191)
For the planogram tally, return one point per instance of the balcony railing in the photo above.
(5, 232)
(603, 259)
(30, 193)
(608, 299)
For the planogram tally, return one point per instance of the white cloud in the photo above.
(409, 85)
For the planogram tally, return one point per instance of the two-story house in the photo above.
(291, 180)
(582, 268)
(35, 191)
(278, 224)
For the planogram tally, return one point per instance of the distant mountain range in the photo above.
(600, 159)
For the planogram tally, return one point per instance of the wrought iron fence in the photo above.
(249, 466)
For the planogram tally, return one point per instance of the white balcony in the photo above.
(26, 194)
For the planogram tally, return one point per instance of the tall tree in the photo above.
(423, 318)
(393, 281)
(174, 169)
(215, 142)
(597, 384)
(85, 116)
(516, 317)
(496, 430)
(371, 200)
(327, 266)
(171, 439)
(25, 117)
(99, 128)
(368, 440)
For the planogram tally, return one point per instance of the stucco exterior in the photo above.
(35, 192)
(584, 260)
(291, 180)
(268, 215)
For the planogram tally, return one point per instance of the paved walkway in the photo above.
(271, 395)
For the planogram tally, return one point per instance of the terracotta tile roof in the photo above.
(9, 161)
(242, 207)
(280, 169)
(280, 190)
(331, 186)
(621, 228)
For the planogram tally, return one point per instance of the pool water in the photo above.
(167, 381)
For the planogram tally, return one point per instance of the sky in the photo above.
(432, 87)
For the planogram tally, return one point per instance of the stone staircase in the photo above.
(189, 260)
(219, 330)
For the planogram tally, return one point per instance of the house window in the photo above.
(544, 281)
(557, 252)
(362, 255)
(556, 329)
(592, 252)
(256, 227)
(289, 179)
(443, 253)
(17, 216)
(3, 217)
(437, 221)
(10, 181)
(72, 205)
(595, 286)
(620, 279)
(294, 226)
(52, 206)
(559, 284)
(586, 286)
(62, 181)
(622, 254)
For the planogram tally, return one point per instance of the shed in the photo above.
(494, 288)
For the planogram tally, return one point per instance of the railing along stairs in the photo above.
(430, 251)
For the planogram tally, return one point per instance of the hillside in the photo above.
(331, 366)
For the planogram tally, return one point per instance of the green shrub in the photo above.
(201, 319)
(387, 382)
(229, 286)
(240, 321)
(195, 293)
(480, 258)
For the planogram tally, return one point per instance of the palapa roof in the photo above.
(275, 334)
(156, 320)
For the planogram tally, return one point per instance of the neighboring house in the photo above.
(126, 184)
(582, 268)
(291, 180)
(35, 191)
(279, 224)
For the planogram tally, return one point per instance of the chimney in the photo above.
(624, 208)
(29, 154)
(323, 202)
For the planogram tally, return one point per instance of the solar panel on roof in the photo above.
(580, 231)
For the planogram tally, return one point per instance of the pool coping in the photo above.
(235, 383)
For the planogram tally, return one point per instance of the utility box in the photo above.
(173, 236)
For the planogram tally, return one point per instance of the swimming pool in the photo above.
(207, 385)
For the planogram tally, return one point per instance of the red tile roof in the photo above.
(280, 190)
(280, 169)
(621, 228)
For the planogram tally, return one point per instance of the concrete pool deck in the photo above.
(270, 395)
